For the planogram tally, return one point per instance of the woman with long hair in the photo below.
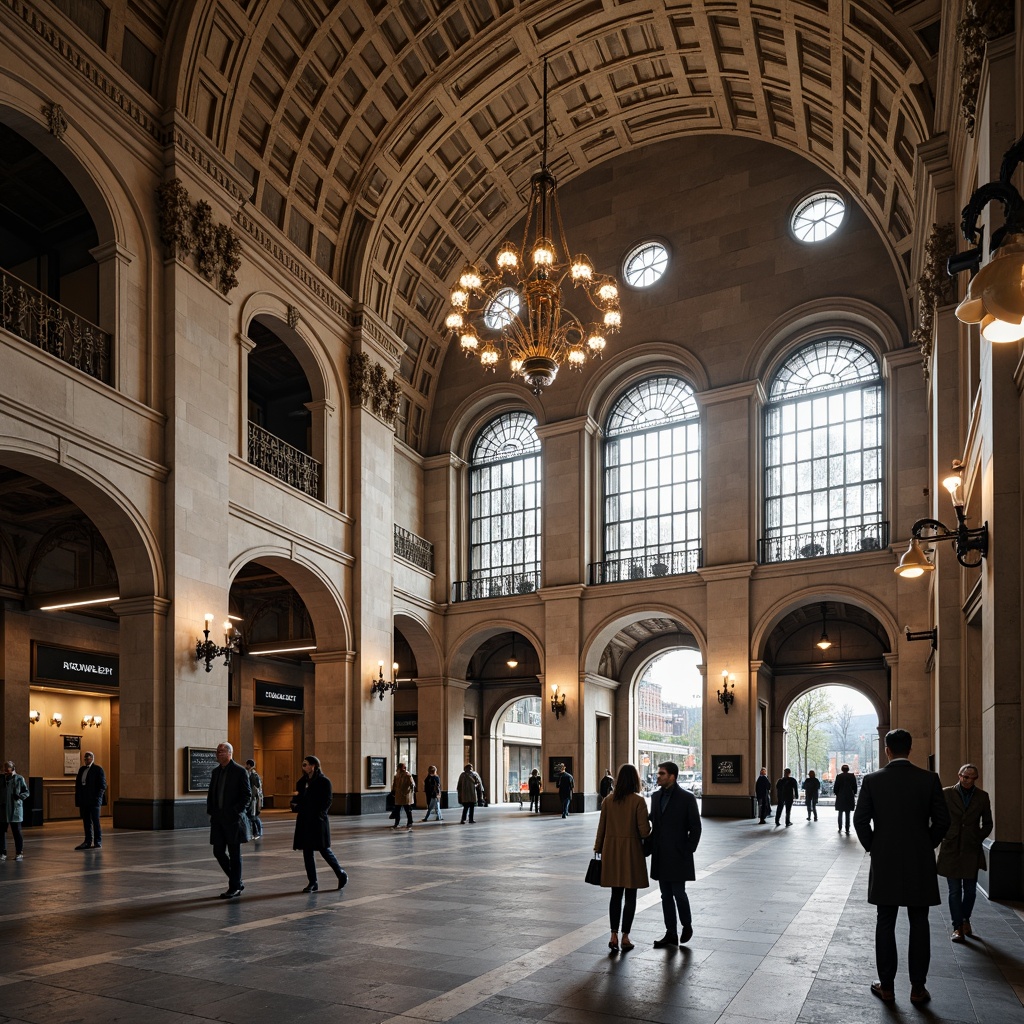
(623, 826)
(312, 800)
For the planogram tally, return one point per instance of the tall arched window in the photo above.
(651, 483)
(823, 453)
(504, 508)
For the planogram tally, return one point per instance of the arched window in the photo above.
(823, 453)
(651, 483)
(504, 508)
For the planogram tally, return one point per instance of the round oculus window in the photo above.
(818, 217)
(502, 309)
(645, 264)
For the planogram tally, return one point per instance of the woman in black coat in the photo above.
(312, 800)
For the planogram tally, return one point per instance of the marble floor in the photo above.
(489, 923)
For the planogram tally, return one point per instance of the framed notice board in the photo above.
(376, 772)
(200, 762)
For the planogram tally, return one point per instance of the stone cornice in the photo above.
(141, 606)
(575, 425)
(744, 391)
(180, 136)
(446, 460)
(739, 571)
(568, 591)
(376, 336)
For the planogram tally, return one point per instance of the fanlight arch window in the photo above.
(652, 481)
(504, 507)
(824, 458)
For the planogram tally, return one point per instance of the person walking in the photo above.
(845, 792)
(623, 826)
(226, 801)
(14, 792)
(607, 785)
(534, 784)
(432, 791)
(403, 789)
(900, 818)
(811, 787)
(566, 784)
(311, 802)
(675, 821)
(255, 801)
(961, 854)
(90, 793)
(466, 789)
(763, 793)
(786, 792)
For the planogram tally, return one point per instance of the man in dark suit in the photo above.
(90, 786)
(676, 832)
(786, 791)
(900, 818)
(226, 802)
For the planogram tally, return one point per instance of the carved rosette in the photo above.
(934, 288)
(188, 229)
(369, 384)
(982, 20)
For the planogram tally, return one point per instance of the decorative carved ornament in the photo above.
(188, 229)
(56, 122)
(934, 288)
(369, 384)
(982, 20)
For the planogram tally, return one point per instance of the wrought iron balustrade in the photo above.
(283, 461)
(414, 548)
(845, 540)
(506, 585)
(45, 323)
(638, 567)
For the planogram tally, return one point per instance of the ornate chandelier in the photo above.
(517, 313)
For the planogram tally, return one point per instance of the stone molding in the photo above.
(934, 289)
(369, 386)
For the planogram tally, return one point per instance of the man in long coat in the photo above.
(961, 856)
(900, 817)
(90, 788)
(226, 802)
(786, 791)
(763, 792)
(676, 823)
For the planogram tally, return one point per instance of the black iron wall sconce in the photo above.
(727, 694)
(380, 684)
(925, 634)
(557, 702)
(208, 650)
(965, 539)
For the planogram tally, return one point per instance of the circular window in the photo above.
(502, 309)
(818, 216)
(644, 264)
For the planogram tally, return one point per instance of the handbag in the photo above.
(594, 871)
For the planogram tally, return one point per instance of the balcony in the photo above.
(45, 323)
(278, 458)
(643, 566)
(414, 549)
(845, 540)
(496, 586)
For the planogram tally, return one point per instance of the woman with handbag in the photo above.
(623, 826)
(311, 802)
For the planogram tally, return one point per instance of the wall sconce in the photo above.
(207, 650)
(995, 297)
(965, 539)
(34, 716)
(56, 718)
(726, 696)
(557, 702)
(380, 684)
(87, 721)
(925, 634)
(94, 720)
(824, 643)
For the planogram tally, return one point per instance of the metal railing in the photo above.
(281, 460)
(414, 548)
(639, 567)
(507, 585)
(45, 323)
(845, 540)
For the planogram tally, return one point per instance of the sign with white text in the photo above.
(67, 665)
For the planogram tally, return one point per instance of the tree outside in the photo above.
(809, 733)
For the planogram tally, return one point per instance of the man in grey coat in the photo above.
(900, 817)
(226, 803)
(675, 820)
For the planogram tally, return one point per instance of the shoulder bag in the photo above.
(594, 870)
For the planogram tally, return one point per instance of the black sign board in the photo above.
(727, 768)
(278, 696)
(406, 721)
(201, 762)
(557, 765)
(376, 772)
(67, 665)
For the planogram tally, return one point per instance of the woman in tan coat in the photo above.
(623, 825)
(403, 789)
